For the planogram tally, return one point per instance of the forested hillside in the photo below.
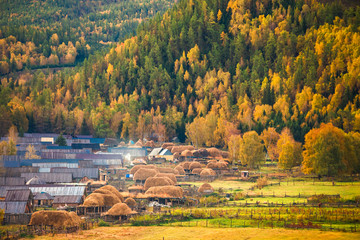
(48, 33)
(206, 70)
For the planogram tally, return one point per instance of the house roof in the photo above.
(79, 172)
(59, 190)
(13, 207)
(43, 196)
(20, 195)
(36, 181)
(68, 199)
(4, 189)
(50, 177)
(12, 181)
(160, 151)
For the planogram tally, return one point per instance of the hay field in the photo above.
(198, 233)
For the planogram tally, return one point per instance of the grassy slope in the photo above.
(129, 233)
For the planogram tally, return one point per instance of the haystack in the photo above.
(185, 165)
(113, 190)
(58, 219)
(120, 209)
(137, 167)
(196, 171)
(176, 155)
(212, 165)
(180, 149)
(149, 144)
(165, 192)
(169, 175)
(194, 165)
(167, 144)
(130, 202)
(222, 165)
(94, 199)
(180, 170)
(214, 152)
(143, 173)
(207, 172)
(187, 153)
(139, 143)
(139, 161)
(166, 170)
(206, 189)
(225, 154)
(201, 153)
(157, 181)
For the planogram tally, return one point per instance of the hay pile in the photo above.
(196, 171)
(206, 188)
(130, 202)
(185, 165)
(139, 161)
(214, 152)
(225, 154)
(176, 155)
(120, 209)
(157, 181)
(104, 196)
(142, 174)
(166, 170)
(180, 149)
(212, 165)
(207, 172)
(165, 192)
(217, 165)
(180, 170)
(194, 165)
(167, 144)
(168, 175)
(139, 143)
(58, 219)
(201, 153)
(137, 167)
(187, 153)
(149, 144)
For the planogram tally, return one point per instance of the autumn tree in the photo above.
(31, 153)
(270, 138)
(252, 150)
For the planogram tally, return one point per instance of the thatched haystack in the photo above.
(187, 153)
(165, 192)
(180, 149)
(201, 153)
(113, 190)
(127, 195)
(150, 144)
(222, 165)
(176, 155)
(206, 189)
(143, 173)
(196, 171)
(185, 165)
(120, 209)
(130, 202)
(180, 170)
(194, 165)
(139, 143)
(58, 219)
(207, 172)
(168, 175)
(157, 181)
(225, 154)
(212, 165)
(167, 144)
(139, 161)
(166, 170)
(94, 199)
(214, 152)
(137, 167)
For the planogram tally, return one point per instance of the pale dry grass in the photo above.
(192, 233)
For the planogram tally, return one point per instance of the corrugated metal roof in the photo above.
(21, 195)
(49, 177)
(165, 152)
(11, 164)
(60, 190)
(4, 189)
(13, 207)
(79, 172)
(85, 156)
(56, 164)
(43, 196)
(106, 162)
(94, 146)
(155, 152)
(67, 199)
(12, 181)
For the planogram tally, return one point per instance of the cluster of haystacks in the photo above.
(168, 170)
(168, 145)
(120, 209)
(214, 152)
(137, 167)
(194, 165)
(104, 196)
(171, 176)
(221, 165)
(180, 149)
(143, 173)
(207, 172)
(165, 192)
(196, 171)
(150, 144)
(180, 170)
(201, 153)
(57, 219)
(157, 181)
(206, 189)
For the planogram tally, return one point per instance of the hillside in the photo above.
(206, 70)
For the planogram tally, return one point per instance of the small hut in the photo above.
(206, 189)
(43, 199)
(142, 174)
(157, 181)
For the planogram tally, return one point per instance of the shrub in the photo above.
(261, 182)
(102, 223)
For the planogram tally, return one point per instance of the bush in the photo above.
(261, 182)
(102, 223)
